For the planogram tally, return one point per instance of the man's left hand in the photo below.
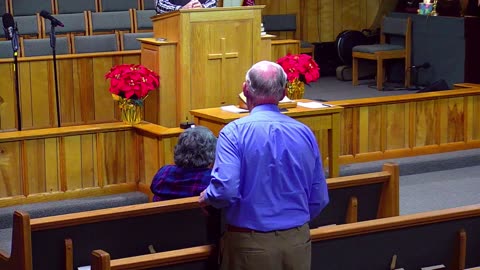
(201, 199)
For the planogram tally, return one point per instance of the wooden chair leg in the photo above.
(408, 74)
(354, 71)
(380, 74)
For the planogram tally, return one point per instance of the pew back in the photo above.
(170, 225)
(409, 242)
(417, 240)
(122, 231)
(361, 197)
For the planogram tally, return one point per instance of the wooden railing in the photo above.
(409, 125)
(79, 161)
(83, 90)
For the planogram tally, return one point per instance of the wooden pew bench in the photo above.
(360, 197)
(172, 224)
(38, 210)
(123, 231)
(449, 237)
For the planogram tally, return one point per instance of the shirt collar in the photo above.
(265, 108)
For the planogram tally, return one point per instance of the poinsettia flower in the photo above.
(132, 82)
(299, 66)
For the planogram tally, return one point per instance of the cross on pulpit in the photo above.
(223, 56)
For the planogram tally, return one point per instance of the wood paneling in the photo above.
(78, 161)
(323, 20)
(408, 125)
(83, 90)
(10, 169)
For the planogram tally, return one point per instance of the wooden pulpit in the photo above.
(202, 56)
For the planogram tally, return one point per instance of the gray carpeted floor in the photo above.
(432, 182)
(330, 88)
(428, 182)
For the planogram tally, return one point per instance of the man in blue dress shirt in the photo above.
(268, 178)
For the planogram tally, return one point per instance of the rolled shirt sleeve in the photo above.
(224, 186)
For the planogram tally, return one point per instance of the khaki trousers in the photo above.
(276, 250)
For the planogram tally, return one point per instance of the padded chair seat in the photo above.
(305, 44)
(377, 48)
(6, 50)
(6, 240)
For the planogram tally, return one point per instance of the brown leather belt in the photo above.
(231, 228)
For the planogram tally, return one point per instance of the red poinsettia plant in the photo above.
(301, 67)
(131, 82)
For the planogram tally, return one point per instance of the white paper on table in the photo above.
(87, 267)
(285, 99)
(313, 105)
(233, 109)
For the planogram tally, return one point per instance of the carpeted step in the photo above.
(419, 164)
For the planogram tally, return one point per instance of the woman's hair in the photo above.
(195, 148)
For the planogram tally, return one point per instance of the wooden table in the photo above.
(321, 121)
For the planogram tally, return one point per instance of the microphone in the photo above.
(424, 65)
(45, 14)
(8, 25)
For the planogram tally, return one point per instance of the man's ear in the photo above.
(246, 93)
(284, 93)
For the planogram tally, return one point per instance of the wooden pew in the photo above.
(64, 241)
(361, 197)
(448, 237)
(174, 224)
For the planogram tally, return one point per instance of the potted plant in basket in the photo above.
(130, 85)
(301, 69)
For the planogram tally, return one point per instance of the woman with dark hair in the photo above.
(164, 6)
(194, 155)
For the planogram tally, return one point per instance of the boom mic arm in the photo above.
(45, 14)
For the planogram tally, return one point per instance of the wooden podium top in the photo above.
(221, 116)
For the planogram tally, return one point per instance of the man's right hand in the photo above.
(192, 4)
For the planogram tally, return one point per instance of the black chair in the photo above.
(286, 23)
(75, 24)
(110, 22)
(128, 41)
(29, 7)
(6, 50)
(391, 27)
(148, 4)
(40, 47)
(142, 20)
(118, 5)
(96, 43)
(29, 26)
(3, 6)
(75, 6)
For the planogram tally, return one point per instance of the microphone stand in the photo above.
(53, 42)
(15, 47)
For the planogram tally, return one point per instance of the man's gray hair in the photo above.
(266, 79)
(195, 148)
